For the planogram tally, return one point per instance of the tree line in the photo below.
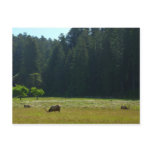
(93, 62)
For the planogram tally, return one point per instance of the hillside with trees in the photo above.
(93, 62)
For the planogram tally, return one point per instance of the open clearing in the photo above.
(76, 111)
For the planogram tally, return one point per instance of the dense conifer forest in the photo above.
(87, 62)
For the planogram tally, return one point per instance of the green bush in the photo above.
(37, 92)
(20, 91)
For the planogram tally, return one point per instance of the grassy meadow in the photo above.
(76, 111)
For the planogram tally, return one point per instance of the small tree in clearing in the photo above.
(37, 92)
(20, 91)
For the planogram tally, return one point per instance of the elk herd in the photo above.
(51, 109)
(58, 108)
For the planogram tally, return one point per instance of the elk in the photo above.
(124, 107)
(54, 108)
(27, 106)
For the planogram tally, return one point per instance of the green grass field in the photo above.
(76, 111)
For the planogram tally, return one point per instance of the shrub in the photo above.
(20, 91)
(37, 92)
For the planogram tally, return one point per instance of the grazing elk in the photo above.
(54, 108)
(124, 107)
(27, 106)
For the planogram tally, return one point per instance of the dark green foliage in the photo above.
(53, 75)
(34, 79)
(20, 91)
(30, 57)
(99, 62)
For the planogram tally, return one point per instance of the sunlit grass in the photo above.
(75, 111)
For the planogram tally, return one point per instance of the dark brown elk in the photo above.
(27, 106)
(54, 108)
(124, 107)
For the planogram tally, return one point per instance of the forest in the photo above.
(87, 62)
